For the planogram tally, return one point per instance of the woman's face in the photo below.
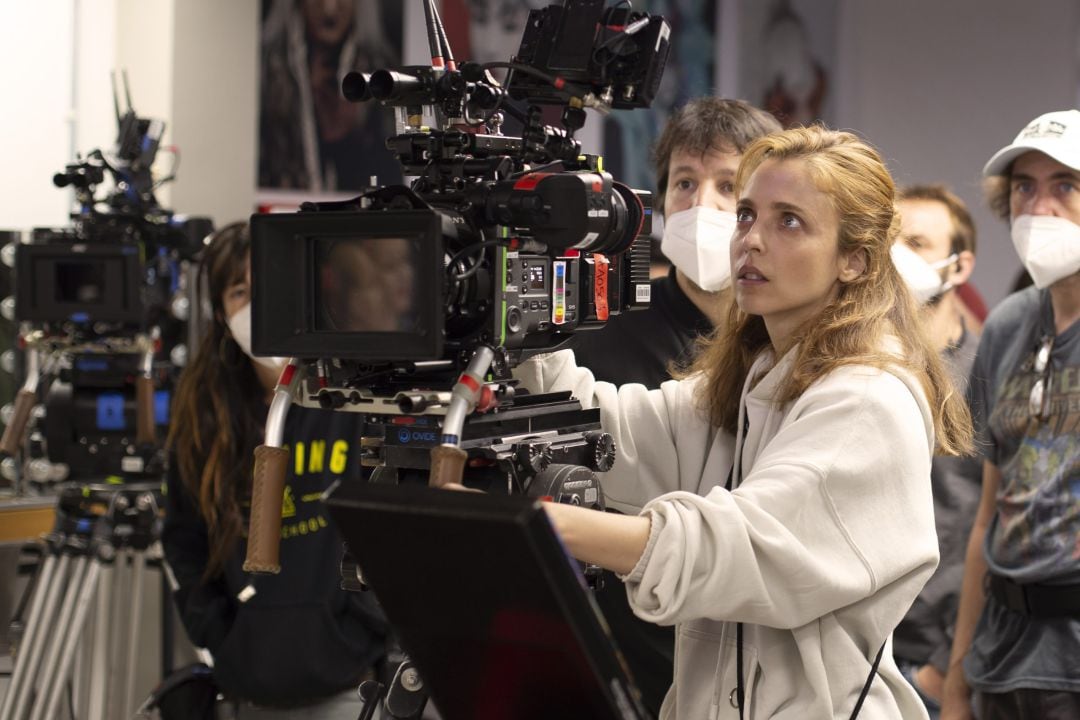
(237, 295)
(785, 254)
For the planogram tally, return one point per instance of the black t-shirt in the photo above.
(638, 346)
(301, 637)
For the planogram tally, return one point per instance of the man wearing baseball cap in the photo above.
(1016, 649)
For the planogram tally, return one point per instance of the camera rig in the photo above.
(103, 309)
(411, 305)
(500, 248)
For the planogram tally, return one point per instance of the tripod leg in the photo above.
(66, 576)
(51, 706)
(33, 625)
(117, 625)
(99, 665)
(138, 565)
(63, 626)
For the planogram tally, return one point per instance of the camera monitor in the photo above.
(354, 285)
(59, 282)
(487, 603)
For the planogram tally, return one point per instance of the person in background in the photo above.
(935, 254)
(1017, 634)
(787, 558)
(300, 646)
(695, 160)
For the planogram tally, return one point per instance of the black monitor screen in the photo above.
(58, 282)
(485, 599)
(81, 282)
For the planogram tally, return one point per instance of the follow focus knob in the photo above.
(602, 447)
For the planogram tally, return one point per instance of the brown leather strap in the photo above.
(264, 530)
(447, 465)
(144, 410)
(13, 433)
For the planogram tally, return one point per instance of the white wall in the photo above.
(939, 87)
(214, 107)
(35, 136)
(192, 64)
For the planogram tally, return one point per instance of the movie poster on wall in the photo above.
(312, 141)
(786, 56)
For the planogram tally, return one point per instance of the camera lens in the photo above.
(355, 87)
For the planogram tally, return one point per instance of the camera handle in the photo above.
(469, 393)
(25, 400)
(268, 481)
(405, 699)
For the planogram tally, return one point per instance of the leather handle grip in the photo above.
(144, 411)
(447, 465)
(13, 433)
(264, 530)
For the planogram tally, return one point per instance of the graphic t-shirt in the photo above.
(301, 637)
(1035, 534)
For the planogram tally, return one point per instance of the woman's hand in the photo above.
(615, 542)
(460, 488)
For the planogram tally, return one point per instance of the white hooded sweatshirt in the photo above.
(819, 550)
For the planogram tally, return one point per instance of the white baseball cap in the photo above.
(1056, 133)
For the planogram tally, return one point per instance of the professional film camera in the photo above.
(103, 312)
(411, 305)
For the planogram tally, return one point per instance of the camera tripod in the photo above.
(96, 526)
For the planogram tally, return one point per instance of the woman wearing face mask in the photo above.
(785, 559)
(299, 641)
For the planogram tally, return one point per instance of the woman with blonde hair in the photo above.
(783, 485)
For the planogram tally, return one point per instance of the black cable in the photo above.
(462, 254)
(527, 69)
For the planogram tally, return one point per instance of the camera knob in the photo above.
(533, 457)
(513, 319)
(601, 457)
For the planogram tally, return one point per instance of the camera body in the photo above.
(394, 280)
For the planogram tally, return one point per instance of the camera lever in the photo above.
(405, 698)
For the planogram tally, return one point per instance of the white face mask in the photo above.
(923, 279)
(696, 241)
(240, 327)
(1048, 246)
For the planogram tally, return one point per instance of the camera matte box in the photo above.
(487, 602)
(81, 282)
(286, 282)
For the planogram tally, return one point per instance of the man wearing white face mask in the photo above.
(935, 254)
(695, 160)
(1018, 632)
